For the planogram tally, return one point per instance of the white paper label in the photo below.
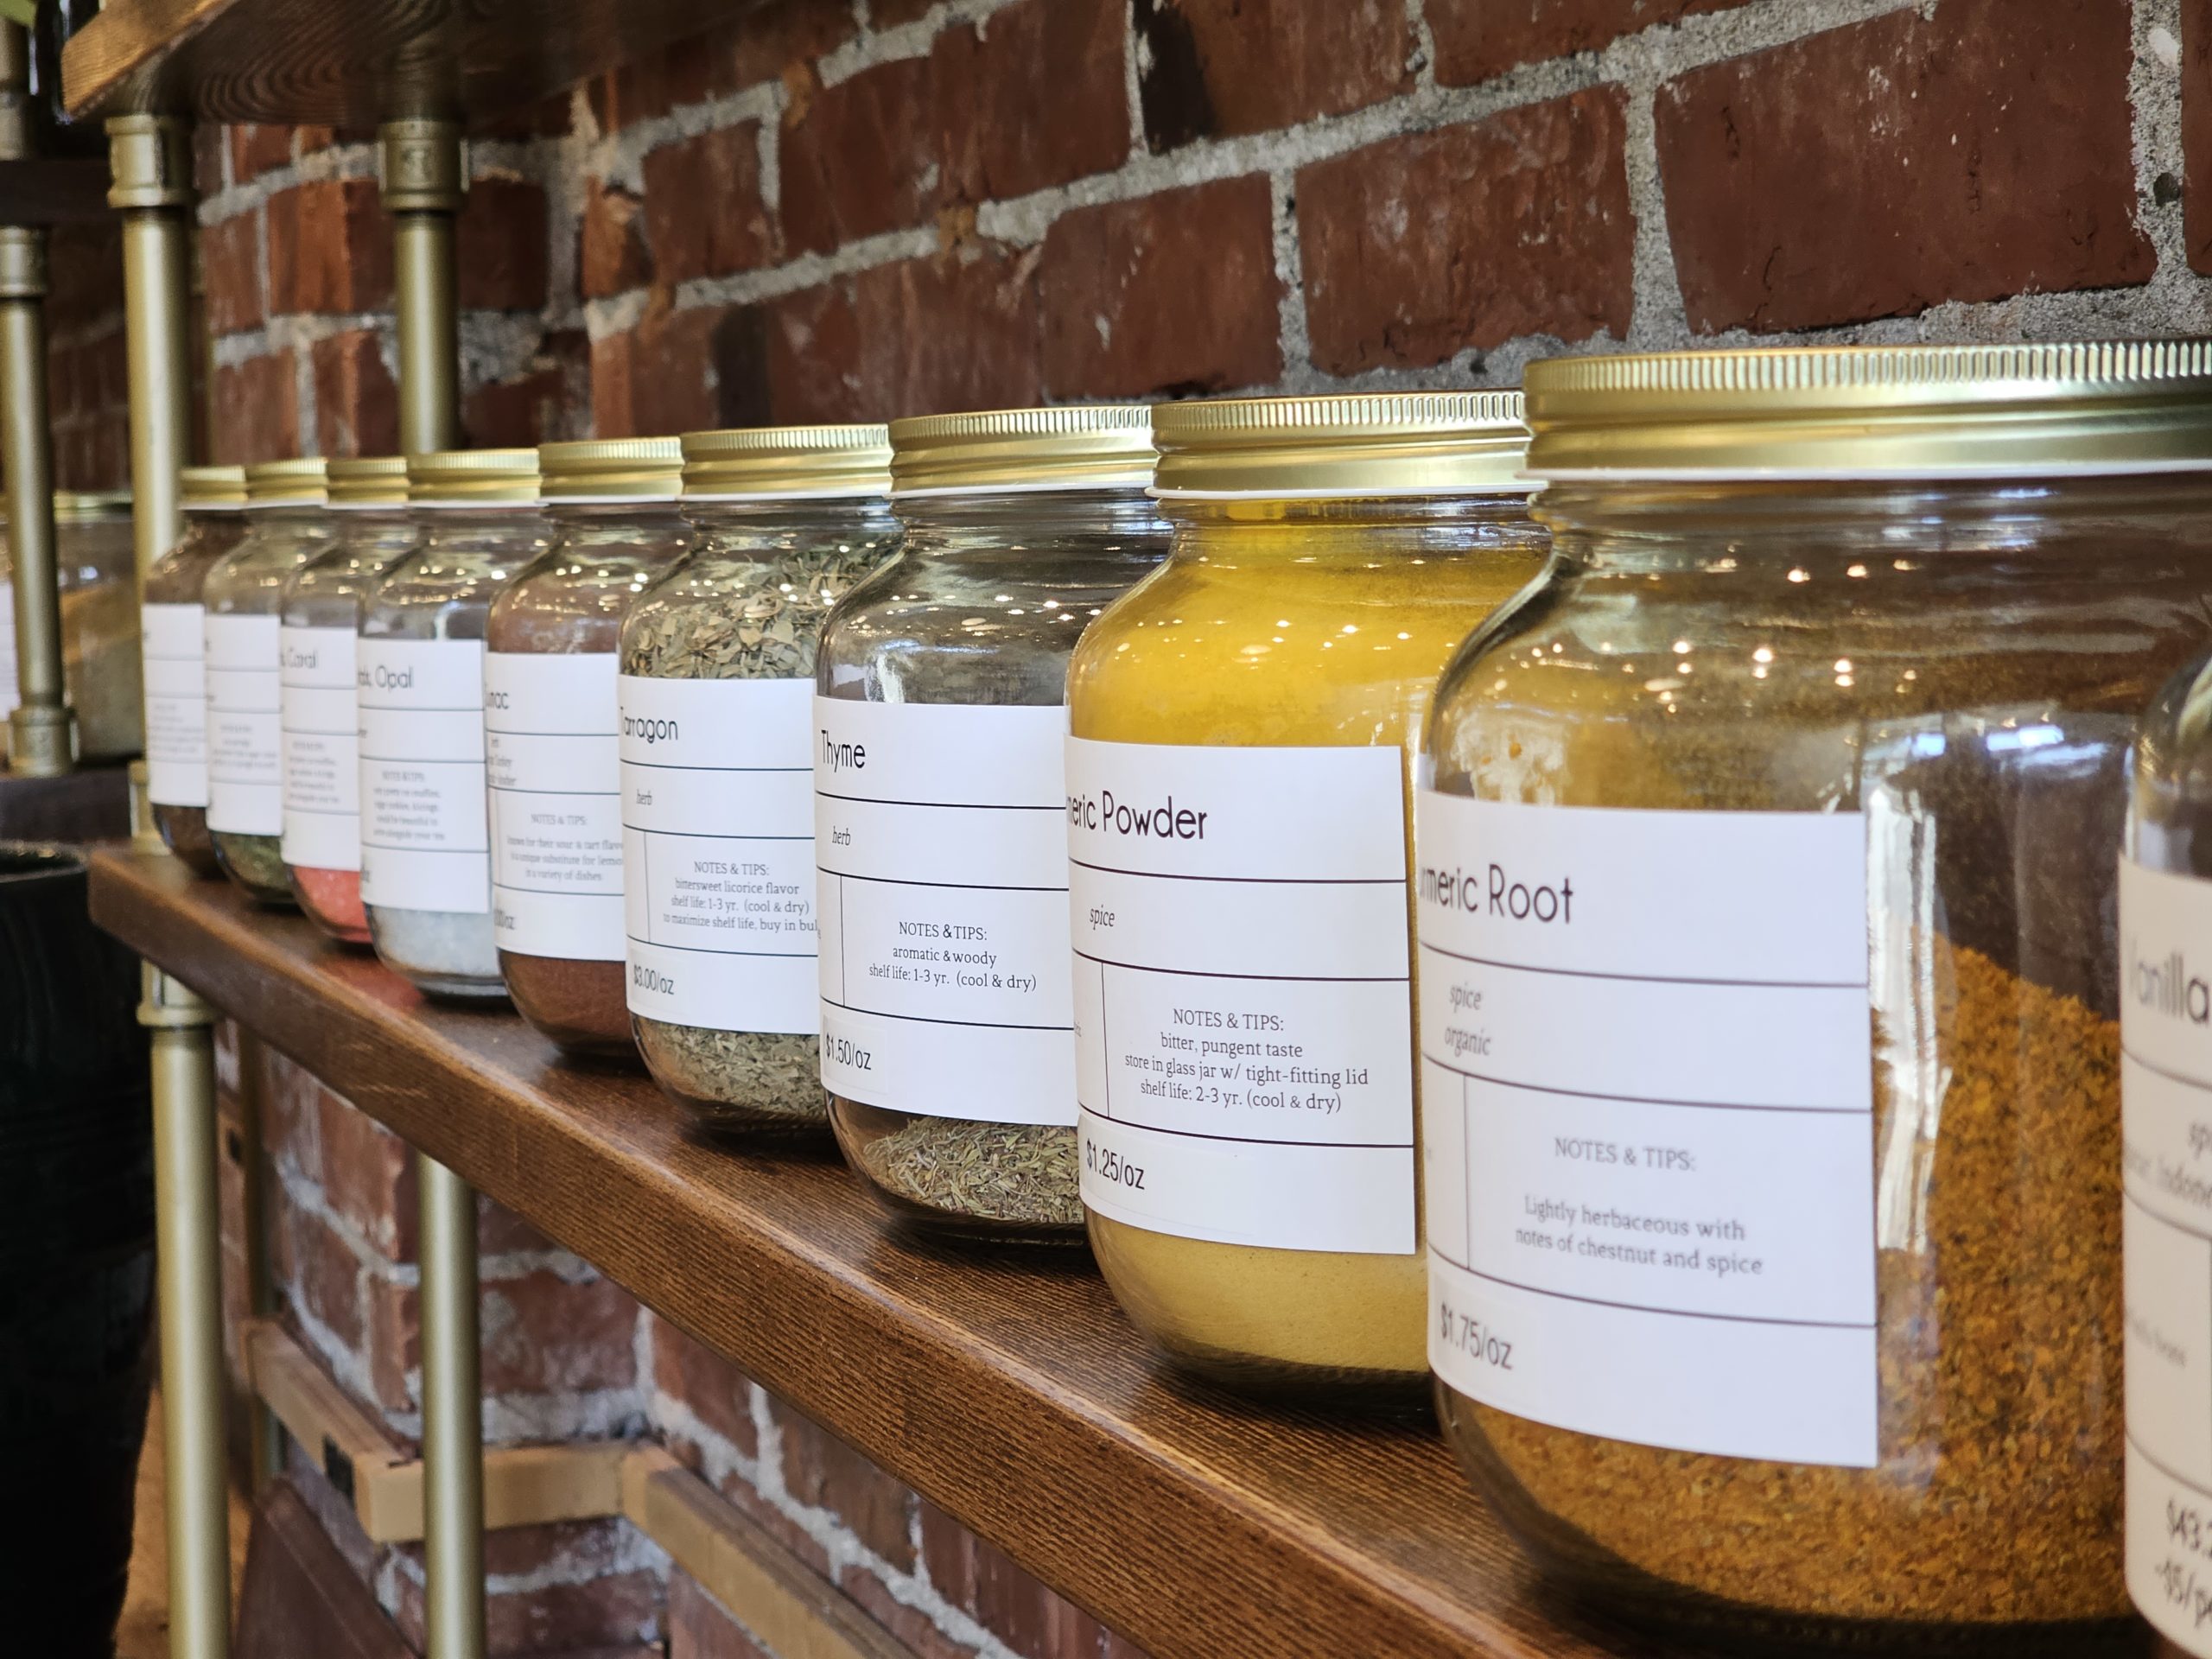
(424, 844)
(1648, 1122)
(246, 790)
(939, 834)
(174, 638)
(2165, 1032)
(1243, 1015)
(550, 726)
(718, 852)
(11, 693)
(322, 751)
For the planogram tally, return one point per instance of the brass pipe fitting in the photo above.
(149, 165)
(423, 179)
(42, 732)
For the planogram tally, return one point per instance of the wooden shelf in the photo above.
(1008, 1390)
(353, 63)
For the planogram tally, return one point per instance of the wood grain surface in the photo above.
(353, 63)
(1005, 1387)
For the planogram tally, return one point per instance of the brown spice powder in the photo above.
(1997, 1499)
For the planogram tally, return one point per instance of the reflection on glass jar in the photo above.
(1238, 834)
(426, 866)
(1766, 898)
(550, 718)
(172, 623)
(286, 526)
(717, 693)
(940, 778)
(318, 648)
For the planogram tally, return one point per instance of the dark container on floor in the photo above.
(76, 1256)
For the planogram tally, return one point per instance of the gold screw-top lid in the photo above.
(213, 489)
(1353, 445)
(473, 478)
(787, 460)
(88, 506)
(612, 469)
(1876, 412)
(1072, 446)
(369, 481)
(301, 482)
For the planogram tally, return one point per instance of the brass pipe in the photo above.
(41, 732)
(188, 1228)
(267, 1450)
(422, 177)
(149, 160)
(453, 1443)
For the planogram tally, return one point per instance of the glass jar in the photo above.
(173, 627)
(1766, 895)
(551, 730)
(426, 869)
(940, 780)
(97, 571)
(716, 691)
(286, 526)
(1238, 834)
(322, 618)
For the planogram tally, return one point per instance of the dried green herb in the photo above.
(769, 633)
(738, 1078)
(1020, 1172)
(255, 862)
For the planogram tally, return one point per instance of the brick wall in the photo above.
(88, 382)
(841, 209)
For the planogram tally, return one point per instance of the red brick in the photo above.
(1476, 38)
(499, 1231)
(792, 360)
(256, 410)
(258, 150)
(568, 1549)
(230, 264)
(1032, 97)
(704, 216)
(1422, 246)
(543, 1334)
(861, 157)
(890, 14)
(1028, 1618)
(368, 1172)
(954, 331)
(291, 1101)
(330, 248)
(719, 1395)
(909, 1626)
(356, 413)
(822, 1470)
(395, 1343)
(548, 117)
(613, 257)
(689, 71)
(699, 1627)
(2196, 132)
(500, 248)
(770, 38)
(1882, 169)
(321, 1270)
(616, 1612)
(210, 145)
(656, 379)
(1176, 292)
(84, 268)
(1214, 68)
(551, 400)
(794, 1537)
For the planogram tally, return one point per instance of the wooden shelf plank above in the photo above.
(353, 63)
(1005, 1387)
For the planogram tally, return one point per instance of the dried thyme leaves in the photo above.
(1019, 1172)
(740, 1077)
(1998, 1499)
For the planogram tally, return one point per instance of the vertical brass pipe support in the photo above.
(420, 166)
(267, 1451)
(41, 732)
(191, 1296)
(150, 166)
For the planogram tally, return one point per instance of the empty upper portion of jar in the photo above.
(1875, 412)
(1360, 446)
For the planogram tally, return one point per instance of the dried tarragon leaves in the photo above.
(770, 632)
(1023, 1173)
